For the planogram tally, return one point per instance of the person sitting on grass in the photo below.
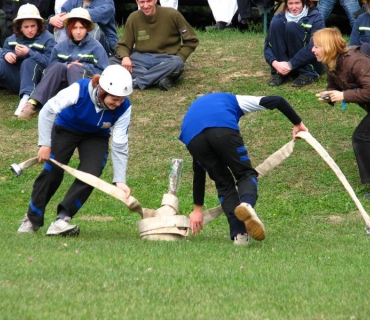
(102, 13)
(80, 117)
(26, 54)
(210, 132)
(155, 44)
(361, 30)
(348, 80)
(288, 44)
(80, 56)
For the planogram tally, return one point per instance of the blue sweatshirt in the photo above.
(103, 13)
(224, 110)
(82, 116)
(40, 47)
(361, 30)
(89, 52)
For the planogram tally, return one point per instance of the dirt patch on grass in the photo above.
(335, 219)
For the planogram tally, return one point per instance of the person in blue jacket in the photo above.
(210, 131)
(25, 54)
(80, 117)
(102, 13)
(361, 29)
(288, 44)
(79, 56)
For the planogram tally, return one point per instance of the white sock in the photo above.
(21, 104)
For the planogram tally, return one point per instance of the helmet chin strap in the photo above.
(97, 101)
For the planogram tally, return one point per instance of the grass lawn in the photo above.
(312, 265)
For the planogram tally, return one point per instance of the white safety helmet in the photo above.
(116, 80)
(28, 11)
(80, 13)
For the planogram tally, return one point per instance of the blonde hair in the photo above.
(332, 43)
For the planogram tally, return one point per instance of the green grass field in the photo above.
(314, 263)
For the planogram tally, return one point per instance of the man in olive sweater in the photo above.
(154, 46)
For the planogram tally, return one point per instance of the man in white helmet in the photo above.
(80, 117)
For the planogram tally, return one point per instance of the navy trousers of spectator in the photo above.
(93, 154)
(287, 39)
(57, 76)
(222, 153)
(361, 147)
(20, 77)
(245, 9)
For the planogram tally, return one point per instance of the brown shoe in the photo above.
(28, 111)
(255, 228)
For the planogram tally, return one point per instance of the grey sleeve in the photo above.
(45, 124)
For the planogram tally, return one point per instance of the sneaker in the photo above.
(304, 80)
(62, 227)
(277, 80)
(28, 111)
(255, 228)
(242, 239)
(165, 84)
(27, 226)
(20, 107)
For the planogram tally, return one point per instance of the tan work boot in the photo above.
(255, 228)
(28, 111)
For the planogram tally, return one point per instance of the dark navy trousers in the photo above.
(93, 154)
(361, 147)
(287, 39)
(222, 153)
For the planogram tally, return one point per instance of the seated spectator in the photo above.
(102, 13)
(349, 6)
(78, 57)
(288, 43)
(155, 54)
(11, 7)
(361, 29)
(26, 54)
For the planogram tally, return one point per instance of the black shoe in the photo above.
(165, 84)
(220, 25)
(276, 80)
(303, 80)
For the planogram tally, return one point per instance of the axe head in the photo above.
(17, 170)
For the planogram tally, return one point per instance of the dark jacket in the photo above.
(40, 47)
(361, 30)
(102, 12)
(352, 76)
